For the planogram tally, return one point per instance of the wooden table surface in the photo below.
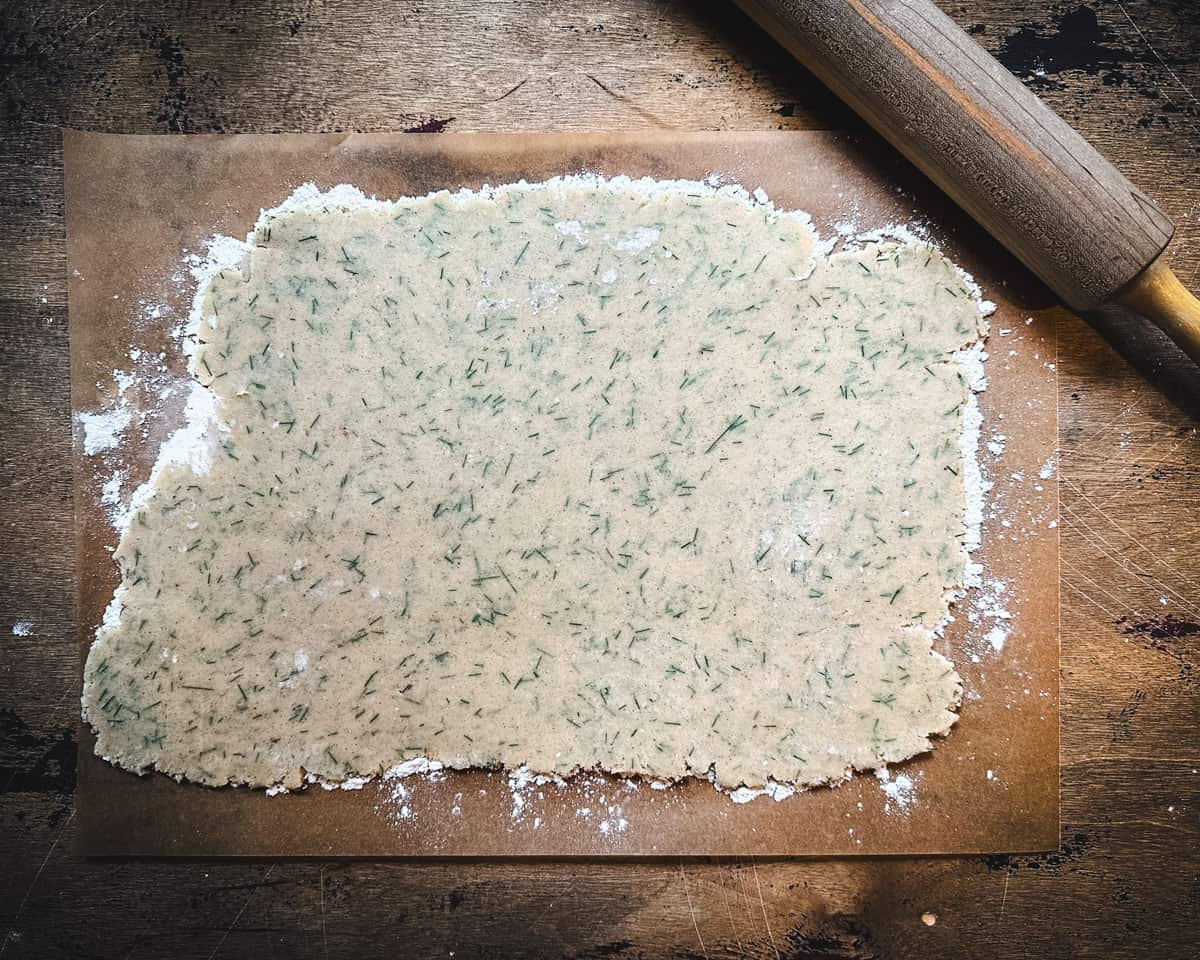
(1126, 880)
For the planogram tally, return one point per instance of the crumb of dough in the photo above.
(575, 475)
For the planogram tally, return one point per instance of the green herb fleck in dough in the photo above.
(573, 476)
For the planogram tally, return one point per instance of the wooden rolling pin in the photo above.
(1005, 157)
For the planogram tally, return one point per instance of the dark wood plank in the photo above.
(1124, 882)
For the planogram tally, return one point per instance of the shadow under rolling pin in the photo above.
(1000, 153)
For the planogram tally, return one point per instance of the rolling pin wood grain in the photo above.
(1005, 157)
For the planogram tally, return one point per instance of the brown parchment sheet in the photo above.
(135, 204)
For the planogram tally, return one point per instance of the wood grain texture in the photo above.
(1123, 884)
(1039, 187)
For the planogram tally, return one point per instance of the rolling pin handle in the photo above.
(1158, 295)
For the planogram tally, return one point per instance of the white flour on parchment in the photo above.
(194, 446)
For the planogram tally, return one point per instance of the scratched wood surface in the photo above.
(1126, 879)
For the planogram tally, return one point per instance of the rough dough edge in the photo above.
(193, 442)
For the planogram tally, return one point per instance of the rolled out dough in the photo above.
(585, 474)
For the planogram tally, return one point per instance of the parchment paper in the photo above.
(134, 204)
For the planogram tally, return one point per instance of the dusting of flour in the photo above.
(104, 432)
